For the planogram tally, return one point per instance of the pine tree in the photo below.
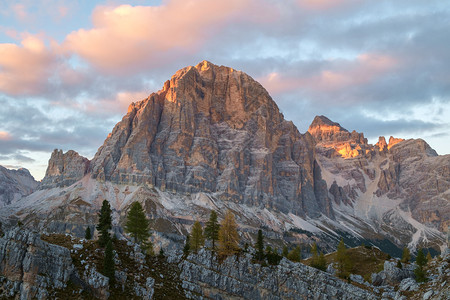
(137, 224)
(187, 246)
(343, 260)
(212, 229)
(295, 254)
(197, 239)
(104, 223)
(421, 260)
(108, 263)
(87, 233)
(285, 251)
(406, 256)
(259, 254)
(315, 256)
(228, 236)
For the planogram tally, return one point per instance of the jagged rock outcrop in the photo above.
(333, 140)
(15, 184)
(392, 275)
(238, 277)
(216, 130)
(30, 267)
(64, 169)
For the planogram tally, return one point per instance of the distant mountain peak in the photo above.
(321, 121)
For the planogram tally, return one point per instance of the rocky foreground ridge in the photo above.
(56, 266)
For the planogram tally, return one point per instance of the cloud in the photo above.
(128, 38)
(25, 69)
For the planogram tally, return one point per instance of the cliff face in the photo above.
(64, 169)
(29, 266)
(238, 277)
(15, 184)
(216, 130)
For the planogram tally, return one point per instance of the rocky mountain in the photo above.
(64, 169)
(15, 184)
(215, 130)
(402, 188)
(212, 138)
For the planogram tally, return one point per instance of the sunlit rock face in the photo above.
(64, 169)
(336, 140)
(15, 184)
(214, 129)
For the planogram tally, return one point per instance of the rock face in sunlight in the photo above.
(15, 184)
(64, 169)
(336, 140)
(216, 130)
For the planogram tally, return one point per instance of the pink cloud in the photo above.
(364, 69)
(321, 5)
(128, 37)
(19, 11)
(5, 136)
(25, 69)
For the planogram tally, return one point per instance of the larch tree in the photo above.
(137, 225)
(228, 236)
(197, 240)
(212, 229)
(343, 260)
(406, 256)
(295, 254)
(104, 224)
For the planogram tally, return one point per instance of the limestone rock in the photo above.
(15, 184)
(29, 266)
(216, 130)
(64, 169)
(238, 277)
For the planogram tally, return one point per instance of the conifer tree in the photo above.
(315, 255)
(137, 225)
(429, 258)
(406, 256)
(87, 233)
(295, 254)
(104, 223)
(285, 251)
(259, 254)
(108, 263)
(321, 262)
(212, 229)
(343, 260)
(197, 239)
(228, 236)
(187, 246)
(421, 260)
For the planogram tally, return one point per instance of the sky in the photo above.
(69, 69)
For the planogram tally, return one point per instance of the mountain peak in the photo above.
(324, 121)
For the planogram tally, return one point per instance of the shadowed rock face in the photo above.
(214, 129)
(15, 184)
(64, 169)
